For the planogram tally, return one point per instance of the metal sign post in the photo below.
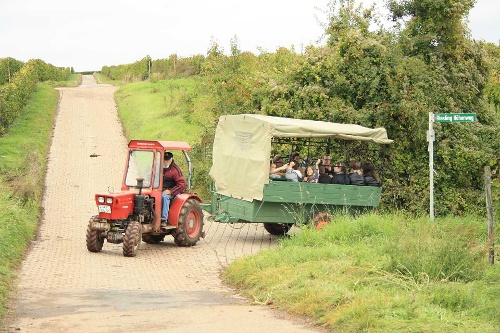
(430, 138)
(441, 118)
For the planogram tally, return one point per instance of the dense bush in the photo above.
(8, 68)
(175, 67)
(15, 94)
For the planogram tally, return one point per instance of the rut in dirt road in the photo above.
(62, 287)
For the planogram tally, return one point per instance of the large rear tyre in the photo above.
(152, 239)
(132, 239)
(277, 229)
(95, 240)
(190, 226)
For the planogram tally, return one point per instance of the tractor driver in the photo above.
(173, 183)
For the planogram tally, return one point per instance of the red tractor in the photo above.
(132, 214)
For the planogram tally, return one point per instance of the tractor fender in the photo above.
(176, 206)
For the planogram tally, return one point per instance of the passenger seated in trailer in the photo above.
(312, 172)
(371, 175)
(339, 174)
(326, 163)
(277, 169)
(293, 173)
(355, 173)
(324, 176)
(295, 156)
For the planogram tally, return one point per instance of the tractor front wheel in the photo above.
(132, 239)
(190, 225)
(95, 240)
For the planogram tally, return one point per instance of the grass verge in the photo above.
(23, 152)
(380, 274)
(161, 110)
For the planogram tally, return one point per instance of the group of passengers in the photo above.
(323, 172)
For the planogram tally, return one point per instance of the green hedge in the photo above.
(14, 95)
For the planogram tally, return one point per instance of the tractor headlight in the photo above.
(100, 199)
(109, 200)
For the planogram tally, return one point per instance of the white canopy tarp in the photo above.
(242, 148)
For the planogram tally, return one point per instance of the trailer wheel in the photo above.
(132, 239)
(277, 229)
(152, 239)
(190, 225)
(95, 240)
(320, 220)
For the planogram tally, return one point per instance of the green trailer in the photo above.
(243, 191)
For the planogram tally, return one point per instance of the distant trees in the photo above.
(9, 67)
(136, 71)
(160, 69)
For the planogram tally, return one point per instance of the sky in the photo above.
(87, 35)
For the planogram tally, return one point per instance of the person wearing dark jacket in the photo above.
(173, 183)
(326, 164)
(324, 177)
(355, 174)
(339, 175)
(371, 176)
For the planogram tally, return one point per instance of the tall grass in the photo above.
(448, 251)
(380, 273)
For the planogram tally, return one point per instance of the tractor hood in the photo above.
(116, 205)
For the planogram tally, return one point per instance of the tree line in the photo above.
(18, 80)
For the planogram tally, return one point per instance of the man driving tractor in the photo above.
(173, 183)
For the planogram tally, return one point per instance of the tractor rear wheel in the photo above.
(277, 229)
(152, 239)
(95, 240)
(190, 225)
(132, 239)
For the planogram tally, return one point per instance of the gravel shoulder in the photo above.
(61, 287)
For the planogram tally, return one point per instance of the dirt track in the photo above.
(64, 288)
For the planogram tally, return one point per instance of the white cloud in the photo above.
(484, 22)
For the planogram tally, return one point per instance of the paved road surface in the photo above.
(64, 288)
